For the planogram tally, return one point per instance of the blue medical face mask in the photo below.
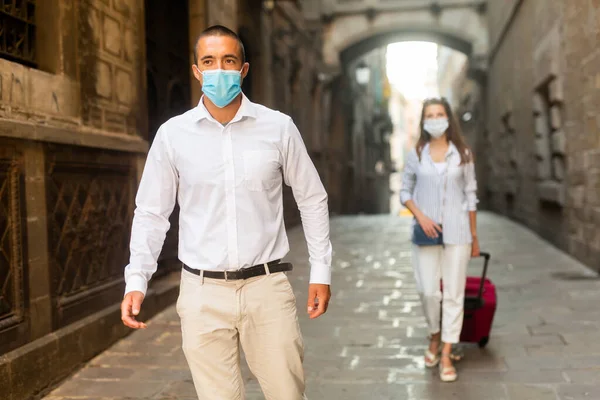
(221, 86)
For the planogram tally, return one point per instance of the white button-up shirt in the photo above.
(228, 183)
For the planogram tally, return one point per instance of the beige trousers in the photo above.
(218, 316)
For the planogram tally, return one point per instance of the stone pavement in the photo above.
(544, 344)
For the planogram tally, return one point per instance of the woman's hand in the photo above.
(475, 247)
(430, 228)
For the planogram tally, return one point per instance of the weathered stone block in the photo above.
(544, 170)
(591, 159)
(556, 117)
(95, 117)
(559, 142)
(558, 168)
(552, 192)
(93, 19)
(509, 121)
(124, 87)
(14, 83)
(577, 197)
(592, 188)
(538, 104)
(114, 121)
(573, 244)
(542, 127)
(104, 79)
(31, 366)
(112, 35)
(547, 56)
(556, 90)
(596, 215)
(129, 45)
(123, 7)
(101, 334)
(542, 148)
(576, 162)
(4, 378)
(579, 218)
(70, 353)
(510, 186)
(54, 94)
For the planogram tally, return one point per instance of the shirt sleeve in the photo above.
(409, 177)
(471, 186)
(300, 173)
(155, 201)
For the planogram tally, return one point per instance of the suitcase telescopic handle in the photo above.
(486, 257)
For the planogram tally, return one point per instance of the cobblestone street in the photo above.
(369, 345)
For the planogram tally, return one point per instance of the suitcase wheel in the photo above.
(483, 342)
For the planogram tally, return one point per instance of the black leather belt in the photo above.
(244, 273)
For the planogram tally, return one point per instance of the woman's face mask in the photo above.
(436, 127)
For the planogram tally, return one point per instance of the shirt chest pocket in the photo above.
(262, 169)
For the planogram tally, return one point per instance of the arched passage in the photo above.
(350, 34)
(365, 45)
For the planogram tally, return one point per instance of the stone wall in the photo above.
(224, 12)
(581, 87)
(73, 133)
(88, 93)
(544, 141)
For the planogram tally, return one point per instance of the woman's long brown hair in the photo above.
(453, 133)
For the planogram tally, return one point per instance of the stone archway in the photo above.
(350, 33)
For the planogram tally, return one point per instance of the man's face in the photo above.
(219, 52)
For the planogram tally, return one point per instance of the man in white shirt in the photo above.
(225, 162)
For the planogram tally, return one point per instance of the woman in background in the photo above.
(439, 188)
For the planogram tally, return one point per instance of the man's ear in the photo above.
(197, 73)
(245, 70)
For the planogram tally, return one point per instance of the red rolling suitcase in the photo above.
(480, 307)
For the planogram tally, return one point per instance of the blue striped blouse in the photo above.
(424, 184)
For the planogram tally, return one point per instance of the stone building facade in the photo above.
(83, 88)
(367, 112)
(543, 137)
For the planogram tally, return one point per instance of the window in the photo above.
(17, 31)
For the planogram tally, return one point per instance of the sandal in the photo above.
(448, 374)
(431, 360)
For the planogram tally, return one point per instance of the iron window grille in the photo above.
(18, 31)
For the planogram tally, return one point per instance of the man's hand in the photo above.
(318, 299)
(130, 307)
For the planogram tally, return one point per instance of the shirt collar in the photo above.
(451, 149)
(247, 109)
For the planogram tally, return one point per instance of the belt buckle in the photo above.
(225, 275)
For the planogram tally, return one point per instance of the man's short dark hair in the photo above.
(219, 30)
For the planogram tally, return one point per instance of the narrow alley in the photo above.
(88, 87)
(370, 343)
